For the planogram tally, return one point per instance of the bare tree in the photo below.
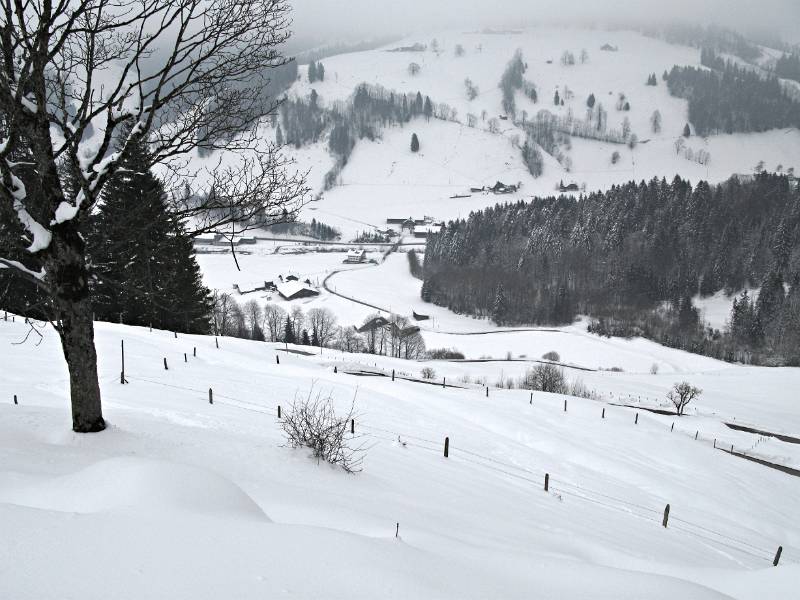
(274, 321)
(81, 83)
(323, 324)
(298, 320)
(254, 315)
(348, 340)
(413, 69)
(681, 395)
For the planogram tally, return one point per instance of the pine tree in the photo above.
(414, 143)
(288, 332)
(687, 132)
(143, 265)
(500, 306)
(428, 108)
(590, 101)
(320, 72)
(556, 99)
(304, 338)
(312, 72)
(279, 135)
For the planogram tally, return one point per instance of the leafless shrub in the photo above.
(545, 378)
(313, 423)
(552, 355)
(654, 369)
(428, 373)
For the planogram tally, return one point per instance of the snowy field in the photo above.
(180, 498)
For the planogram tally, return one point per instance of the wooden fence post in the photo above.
(547, 482)
(636, 420)
(185, 358)
(392, 374)
(696, 433)
(397, 531)
(531, 402)
(15, 399)
(176, 334)
(122, 372)
(216, 341)
(335, 369)
(487, 391)
(731, 448)
(352, 426)
(603, 416)
(444, 382)
(194, 351)
(666, 516)
(166, 368)
(446, 447)
(673, 427)
(565, 405)
(279, 411)
(210, 396)
(277, 359)
(777, 556)
(715, 443)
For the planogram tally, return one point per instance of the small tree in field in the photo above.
(681, 395)
(414, 143)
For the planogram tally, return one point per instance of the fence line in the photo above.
(561, 487)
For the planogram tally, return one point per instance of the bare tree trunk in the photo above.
(67, 266)
(77, 340)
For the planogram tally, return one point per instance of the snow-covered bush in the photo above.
(552, 355)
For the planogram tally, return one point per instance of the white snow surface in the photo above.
(180, 498)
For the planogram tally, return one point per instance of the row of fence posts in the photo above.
(664, 522)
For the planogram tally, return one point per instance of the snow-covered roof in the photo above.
(288, 289)
(427, 229)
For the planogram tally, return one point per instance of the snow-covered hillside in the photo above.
(385, 179)
(181, 498)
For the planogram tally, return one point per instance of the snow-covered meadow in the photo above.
(181, 498)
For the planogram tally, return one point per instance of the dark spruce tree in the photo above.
(288, 332)
(143, 270)
(414, 143)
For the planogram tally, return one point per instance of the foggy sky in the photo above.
(331, 20)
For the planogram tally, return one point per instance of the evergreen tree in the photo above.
(687, 131)
(320, 72)
(556, 99)
(143, 266)
(279, 135)
(312, 72)
(314, 339)
(590, 101)
(500, 306)
(414, 143)
(288, 332)
(304, 338)
(428, 108)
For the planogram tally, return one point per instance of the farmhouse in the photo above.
(572, 187)
(502, 188)
(372, 324)
(356, 256)
(294, 290)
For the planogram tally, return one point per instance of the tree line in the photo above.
(633, 258)
(732, 99)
